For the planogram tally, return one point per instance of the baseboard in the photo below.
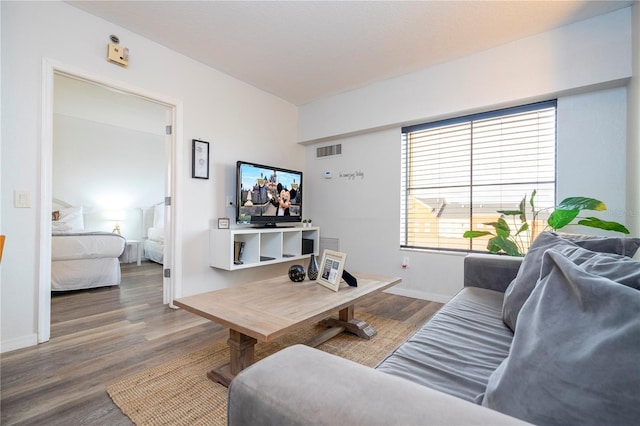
(423, 295)
(18, 343)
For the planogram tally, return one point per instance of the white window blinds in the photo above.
(457, 173)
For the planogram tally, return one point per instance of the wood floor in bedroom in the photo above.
(101, 336)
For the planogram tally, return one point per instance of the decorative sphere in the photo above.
(297, 273)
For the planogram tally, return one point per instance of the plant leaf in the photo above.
(594, 222)
(504, 244)
(531, 203)
(520, 212)
(510, 212)
(523, 214)
(560, 217)
(492, 247)
(502, 228)
(523, 228)
(476, 234)
(581, 203)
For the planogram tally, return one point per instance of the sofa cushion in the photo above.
(303, 386)
(574, 356)
(458, 349)
(523, 284)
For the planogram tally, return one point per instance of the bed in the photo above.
(153, 245)
(81, 258)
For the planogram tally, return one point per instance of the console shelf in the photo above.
(261, 246)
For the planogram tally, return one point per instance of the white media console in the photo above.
(260, 246)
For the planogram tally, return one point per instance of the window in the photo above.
(457, 173)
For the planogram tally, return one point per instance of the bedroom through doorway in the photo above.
(111, 167)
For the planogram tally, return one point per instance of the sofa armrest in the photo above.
(490, 271)
(304, 386)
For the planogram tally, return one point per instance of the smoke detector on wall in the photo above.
(117, 54)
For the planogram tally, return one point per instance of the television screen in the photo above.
(267, 195)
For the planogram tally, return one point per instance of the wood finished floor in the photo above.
(104, 335)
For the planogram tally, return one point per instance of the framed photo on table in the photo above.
(331, 267)
(199, 159)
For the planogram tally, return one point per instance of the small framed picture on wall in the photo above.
(199, 159)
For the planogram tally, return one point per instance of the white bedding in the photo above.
(82, 259)
(84, 273)
(153, 245)
(85, 259)
(154, 251)
(86, 245)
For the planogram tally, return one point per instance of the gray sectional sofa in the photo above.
(551, 339)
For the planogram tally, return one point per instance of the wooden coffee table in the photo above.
(264, 310)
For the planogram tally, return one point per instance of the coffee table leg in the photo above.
(242, 351)
(346, 322)
(346, 314)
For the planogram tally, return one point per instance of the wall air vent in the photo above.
(327, 151)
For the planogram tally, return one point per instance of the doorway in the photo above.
(116, 90)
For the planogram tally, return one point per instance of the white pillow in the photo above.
(73, 217)
(57, 226)
(156, 234)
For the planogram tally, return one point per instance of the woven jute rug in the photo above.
(179, 392)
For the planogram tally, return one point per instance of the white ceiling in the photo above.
(305, 50)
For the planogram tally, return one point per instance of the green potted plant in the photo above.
(515, 242)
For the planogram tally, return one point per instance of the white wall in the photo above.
(591, 151)
(99, 165)
(88, 101)
(105, 168)
(585, 66)
(238, 120)
(591, 52)
(360, 206)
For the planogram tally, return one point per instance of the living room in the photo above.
(598, 55)
(590, 66)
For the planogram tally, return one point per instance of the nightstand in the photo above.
(136, 247)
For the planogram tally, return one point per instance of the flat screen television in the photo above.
(267, 195)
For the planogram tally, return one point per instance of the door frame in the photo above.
(172, 286)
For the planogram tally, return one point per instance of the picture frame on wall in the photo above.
(331, 268)
(199, 159)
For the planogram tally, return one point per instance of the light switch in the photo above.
(21, 199)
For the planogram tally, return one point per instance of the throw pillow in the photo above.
(618, 268)
(522, 285)
(574, 356)
(625, 246)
